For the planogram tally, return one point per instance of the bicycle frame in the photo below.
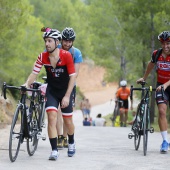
(17, 135)
(141, 124)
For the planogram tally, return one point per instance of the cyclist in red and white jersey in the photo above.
(163, 79)
(61, 76)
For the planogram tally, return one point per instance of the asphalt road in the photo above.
(98, 148)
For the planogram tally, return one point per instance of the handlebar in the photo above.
(22, 88)
(143, 88)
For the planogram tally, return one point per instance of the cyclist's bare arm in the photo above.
(31, 78)
(165, 85)
(147, 72)
(77, 67)
(66, 98)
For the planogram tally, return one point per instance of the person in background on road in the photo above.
(86, 122)
(99, 121)
(68, 37)
(163, 80)
(83, 107)
(88, 108)
(61, 77)
(122, 95)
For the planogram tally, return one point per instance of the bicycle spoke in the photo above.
(32, 141)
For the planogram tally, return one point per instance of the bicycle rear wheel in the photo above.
(136, 127)
(16, 133)
(32, 141)
(145, 129)
(115, 114)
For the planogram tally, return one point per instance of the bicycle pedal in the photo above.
(44, 137)
(40, 136)
(130, 135)
(151, 130)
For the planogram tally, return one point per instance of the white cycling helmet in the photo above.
(123, 83)
(52, 33)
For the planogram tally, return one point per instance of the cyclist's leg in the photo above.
(121, 110)
(162, 120)
(59, 126)
(51, 109)
(126, 112)
(121, 116)
(68, 121)
(65, 142)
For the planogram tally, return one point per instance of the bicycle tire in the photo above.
(137, 128)
(32, 141)
(115, 114)
(16, 134)
(41, 115)
(145, 129)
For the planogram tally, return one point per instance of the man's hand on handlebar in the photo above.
(140, 80)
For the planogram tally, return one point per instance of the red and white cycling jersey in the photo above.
(57, 77)
(162, 68)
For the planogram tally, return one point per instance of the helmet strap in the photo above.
(54, 48)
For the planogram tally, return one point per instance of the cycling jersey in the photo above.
(123, 93)
(57, 78)
(76, 54)
(162, 67)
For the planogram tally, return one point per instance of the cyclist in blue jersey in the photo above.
(68, 37)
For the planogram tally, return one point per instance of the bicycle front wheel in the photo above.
(137, 128)
(32, 141)
(145, 129)
(16, 133)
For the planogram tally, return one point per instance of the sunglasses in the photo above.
(162, 40)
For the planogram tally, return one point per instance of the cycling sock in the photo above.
(53, 142)
(71, 138)
(164, 135)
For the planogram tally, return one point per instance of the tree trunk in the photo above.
(153, 79)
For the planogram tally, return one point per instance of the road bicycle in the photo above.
(27, 121)
(141, 125)
(116, 113)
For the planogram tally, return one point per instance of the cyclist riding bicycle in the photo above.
(163, 79)
(122, 94)
(61, 76)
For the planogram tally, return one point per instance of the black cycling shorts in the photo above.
(123, 104)
(54, 98)
(158, 95)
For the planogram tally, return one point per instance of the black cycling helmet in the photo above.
(68, 34)
(164, 36)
